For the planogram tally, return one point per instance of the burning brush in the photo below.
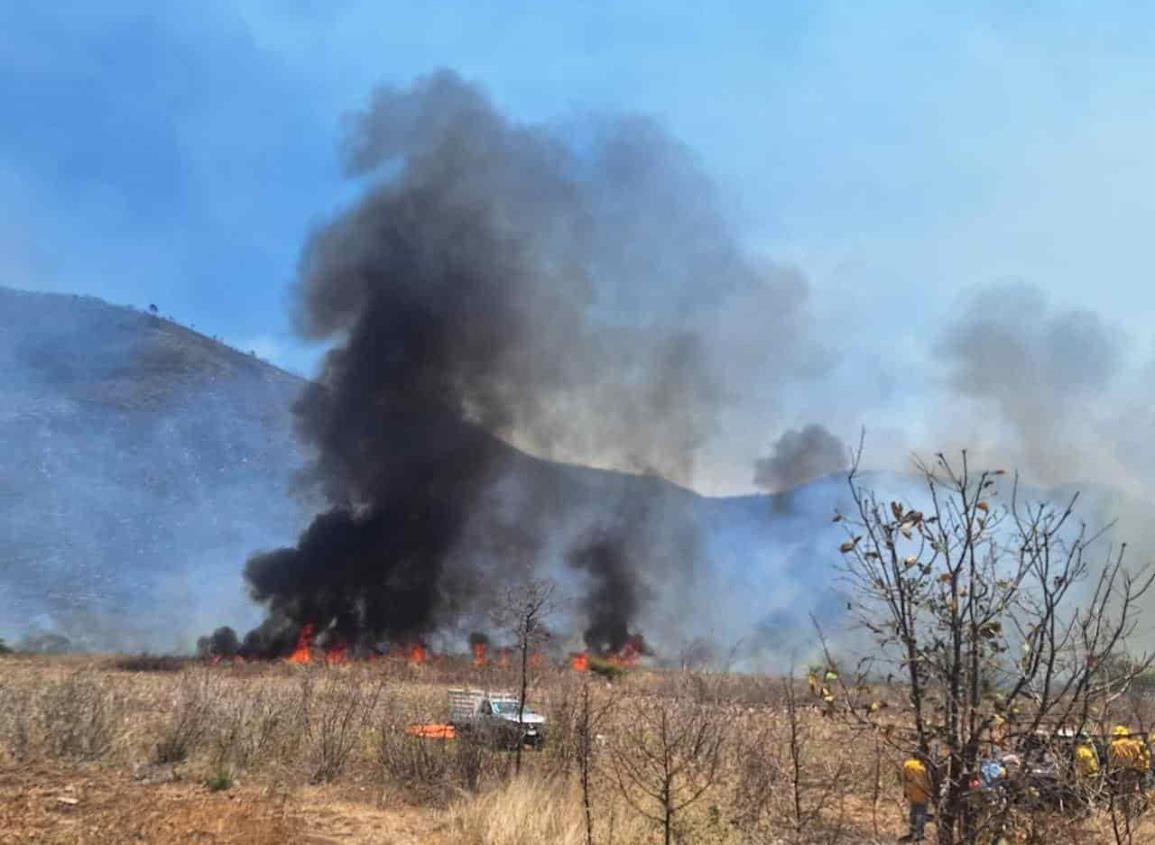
(466, 297)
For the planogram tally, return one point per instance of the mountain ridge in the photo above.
(142, 463)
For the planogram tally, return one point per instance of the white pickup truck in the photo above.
(493, 715)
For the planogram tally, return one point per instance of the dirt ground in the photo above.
(93, 805)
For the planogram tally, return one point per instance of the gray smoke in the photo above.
(500, 283)
(799, 456)
(1036, 372)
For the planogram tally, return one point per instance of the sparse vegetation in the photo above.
(1002, 618)
(221, 781)
(606, 669)
(752, 760)
(646, 756)
(77, 716)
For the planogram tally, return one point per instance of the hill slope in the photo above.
(142, 463)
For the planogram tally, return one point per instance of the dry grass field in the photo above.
(107, 750)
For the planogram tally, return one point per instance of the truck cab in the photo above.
(494, 716)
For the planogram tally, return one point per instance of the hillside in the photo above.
(141, 464)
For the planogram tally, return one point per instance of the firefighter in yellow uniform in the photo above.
(916, 786)
(1086, 760)
(1128, 761)
(1086, 768)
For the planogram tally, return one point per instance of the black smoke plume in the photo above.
(801, 455)
(222, 642)
(613, 601)
(496, 284)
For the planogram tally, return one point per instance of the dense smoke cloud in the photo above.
(574, 292)
(801, 455)
(499, 283)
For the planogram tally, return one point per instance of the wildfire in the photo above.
(630, 653)
(416, 654)
(336, 652)
(303, 653)
(480, 657)
(627, 657)
(503, 658)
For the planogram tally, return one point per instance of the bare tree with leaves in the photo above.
(524, 607)
(989, 615)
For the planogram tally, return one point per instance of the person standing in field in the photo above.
(1086, 768)
(1128, 763)
(916, 786)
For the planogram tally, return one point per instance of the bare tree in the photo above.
(667, 757)
(590, 716)
(810, 795)
(522, 611)
(991, 614)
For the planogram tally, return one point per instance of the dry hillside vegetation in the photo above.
(270, 752)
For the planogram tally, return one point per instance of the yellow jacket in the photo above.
(916, 781)
(1129, 753)
(1086, 761)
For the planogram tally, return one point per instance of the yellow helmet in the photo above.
(1121, 730)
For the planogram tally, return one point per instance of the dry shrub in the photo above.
(339, 710)
(669, 754)
(191, 719)
(529, 810)
(420, 766)
(563, 714)
(524, 811)
(472, 760)
(74, 717)
(78, 716)
(17, 723)
(755, 775)
(433, 770)
(257, 727)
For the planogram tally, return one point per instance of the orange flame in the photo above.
(479, 654)
(303, 653)
(580, 662)
(625, 658)
(630, 654)
(336, 652)
(416, 654)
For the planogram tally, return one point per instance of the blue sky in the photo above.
(898, 154)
